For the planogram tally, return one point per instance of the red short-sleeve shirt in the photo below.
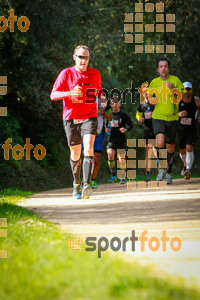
(80, 107)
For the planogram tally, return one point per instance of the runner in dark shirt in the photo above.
(120, 125)
(188, 112)
(144, 116)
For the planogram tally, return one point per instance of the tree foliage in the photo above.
(32, 60)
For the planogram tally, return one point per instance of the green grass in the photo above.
(40, 265)
(13, 195)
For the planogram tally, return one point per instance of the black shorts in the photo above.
(116, 145)
(168, 128)
(186, 137)
(148, 134)
(75, 132)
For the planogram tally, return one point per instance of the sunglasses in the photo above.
(188, 89)
(115, 102)
(83, 57)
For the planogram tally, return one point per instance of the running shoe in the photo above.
(183, 171)
(93, 184)
(86, 191)
(168, 178)
(187, 174)
(122, 180)
(147, 177)
(112, 179)
(161, 174)
(77, 191)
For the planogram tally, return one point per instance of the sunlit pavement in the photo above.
(116, 210)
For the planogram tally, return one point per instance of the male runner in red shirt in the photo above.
(78, 86)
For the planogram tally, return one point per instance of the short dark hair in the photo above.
(163, 59)
(115, 99)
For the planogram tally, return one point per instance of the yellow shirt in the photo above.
(165, 109)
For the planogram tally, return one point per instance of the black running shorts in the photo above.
(186, 137)
(75, 132)
(168, 128)
(148, 134)
(116, 145)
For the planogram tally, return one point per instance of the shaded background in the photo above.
(33, 59)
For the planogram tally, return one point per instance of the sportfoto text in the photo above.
(116, 244)
(23, 22)
(18, 151)
(154, 94)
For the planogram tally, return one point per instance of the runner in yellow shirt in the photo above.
(165, 92)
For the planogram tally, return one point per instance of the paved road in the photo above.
(116, 210)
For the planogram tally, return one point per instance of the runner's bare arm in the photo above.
(141, 120)
(58, 95)
(123, 130)
(106, 115)
(197, 101)
(182, 113)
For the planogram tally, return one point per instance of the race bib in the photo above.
(186, 121)
(114, 123)
(148, 115)
(78, 121)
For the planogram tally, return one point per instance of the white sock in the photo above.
(183, 157)
(189, 160)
